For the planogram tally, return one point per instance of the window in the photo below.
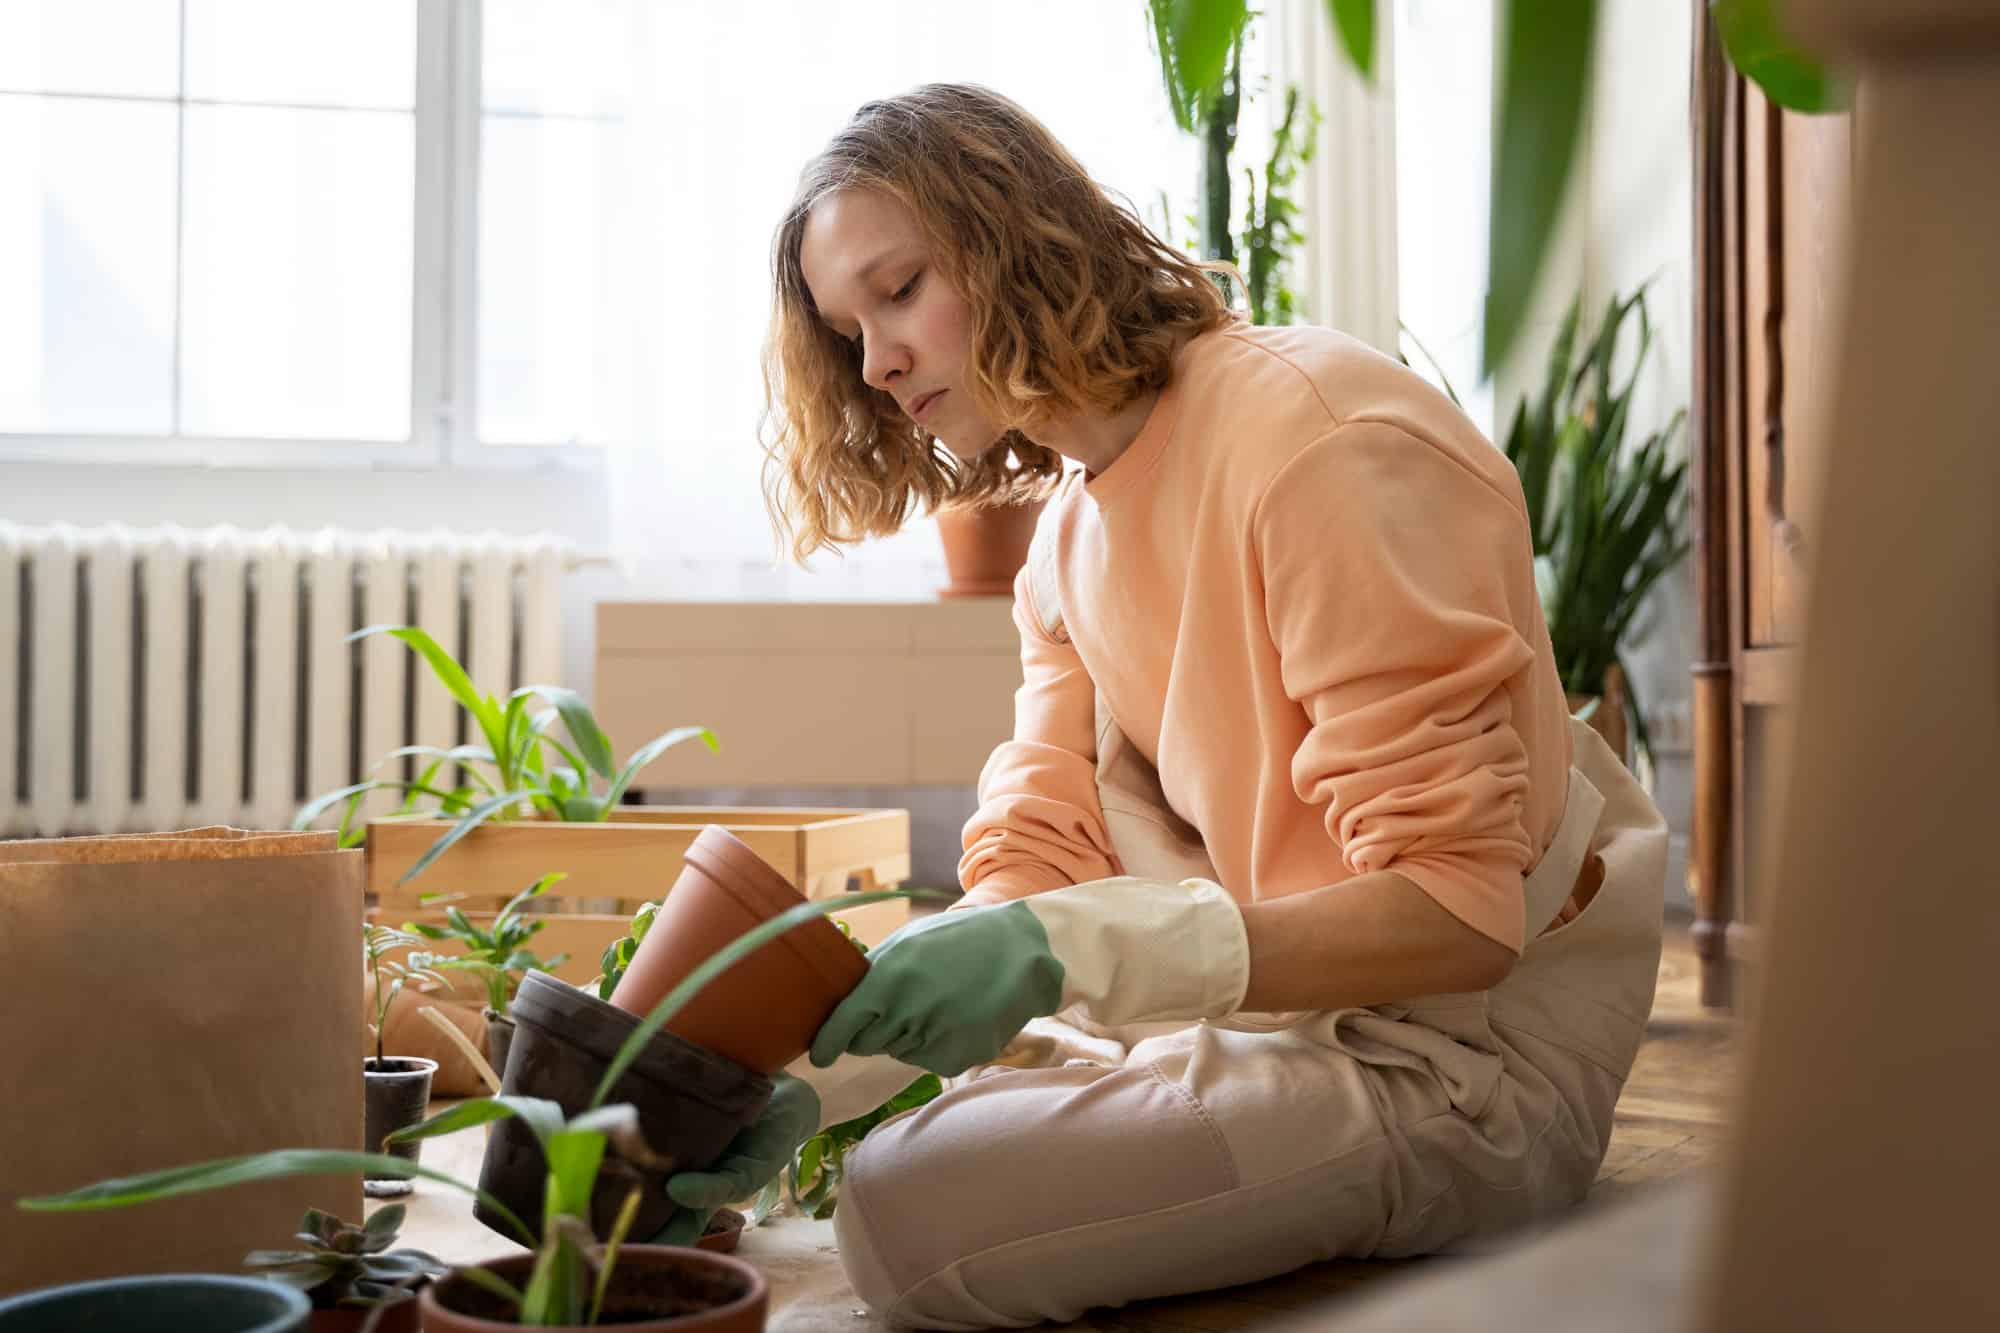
(1444, 96)
(251, 230)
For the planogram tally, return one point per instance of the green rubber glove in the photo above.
(753, 1159)
(949, 991)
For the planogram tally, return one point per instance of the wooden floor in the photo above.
(1670, 1121)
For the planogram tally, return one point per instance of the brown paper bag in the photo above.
(165, 1000)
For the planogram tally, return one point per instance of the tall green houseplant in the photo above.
(1268, 234)
(1607, 521)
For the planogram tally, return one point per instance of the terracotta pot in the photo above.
(653, 1288)
(398, 1091)
(764, 1011)
(985, 548)
(400, 1318)
(691, 1103)
(167, 1303)
(1609, 721)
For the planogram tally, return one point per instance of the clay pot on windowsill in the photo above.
(397, 1093)
(691, 1102)
(764, 1012)
(653, 1288)
(985, 548)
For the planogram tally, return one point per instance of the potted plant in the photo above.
(161, 1303)
(497, 954)
(708, 1073)
(397, 1088)
(986, 545)
(571, 1280)
(356, 1283)
(1607, 521)
(512, 772)
(813, 1179)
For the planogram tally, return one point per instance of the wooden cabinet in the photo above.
(1773, 202)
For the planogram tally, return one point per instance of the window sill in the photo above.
(295, 455)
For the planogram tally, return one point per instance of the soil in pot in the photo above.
(691, 1103)
(764, 1011)
(350, 1319)
(653, 1287)
(398, 1091)
(168, 1303)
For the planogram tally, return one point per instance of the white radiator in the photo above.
(164, 678)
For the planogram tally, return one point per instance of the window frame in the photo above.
(444, 328)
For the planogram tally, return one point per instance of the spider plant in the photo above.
(521, 767)
(1607, 521)
(498, 954)
(376, 942)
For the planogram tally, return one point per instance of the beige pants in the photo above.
(1176, 1158)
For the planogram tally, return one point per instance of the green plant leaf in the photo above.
(652, 750)
(1544, 84)
(385, 1223)
(1761, 52)
(620, 1228)
(280, 1164)
(727, 957)
(488, 1280)
(542, 1117)
(1194, 39)
(1354, 20)
(574, 1156)
(325, 801)
(591, 742)
(467, 822)
(445, 667)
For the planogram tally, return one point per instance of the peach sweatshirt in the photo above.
(1305, 591)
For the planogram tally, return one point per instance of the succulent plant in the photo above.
(347, 1265)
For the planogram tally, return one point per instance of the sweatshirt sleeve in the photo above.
(1039, 825)
(1396, 581)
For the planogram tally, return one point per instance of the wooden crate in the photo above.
(632, 858)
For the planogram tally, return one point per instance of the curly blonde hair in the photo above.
(1075, 306)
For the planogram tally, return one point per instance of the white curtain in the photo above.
(726, 104)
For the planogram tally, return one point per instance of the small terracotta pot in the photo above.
(985, 548)
(653, 1288)
(764, 1012)
(398, 1091)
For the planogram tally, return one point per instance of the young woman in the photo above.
(1300, 919)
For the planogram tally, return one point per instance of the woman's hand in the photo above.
(950, 991)
(753, 1159)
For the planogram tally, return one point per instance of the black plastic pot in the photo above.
(691, 1102)
(499, 1037)
(398, 1091)
(165, 1303)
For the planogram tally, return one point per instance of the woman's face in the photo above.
(870, 274)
